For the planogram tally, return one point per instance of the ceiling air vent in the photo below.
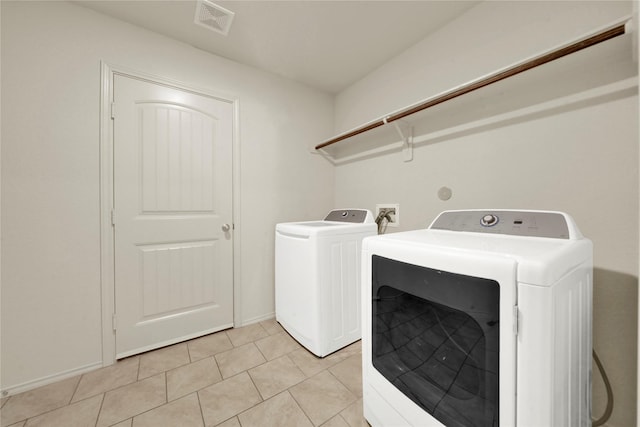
(213, 17)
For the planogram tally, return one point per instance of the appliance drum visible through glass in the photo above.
(436, 338)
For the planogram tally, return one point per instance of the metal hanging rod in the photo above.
(600, 37)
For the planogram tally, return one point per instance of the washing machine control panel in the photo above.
(349, 215)
(516, 223)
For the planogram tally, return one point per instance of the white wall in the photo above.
(51, 53)
(488, 37)
(582, 160)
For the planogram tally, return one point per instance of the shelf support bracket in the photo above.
(405, 130)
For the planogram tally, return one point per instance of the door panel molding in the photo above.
(107, 254)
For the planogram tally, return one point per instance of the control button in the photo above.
(345, 213)
(489, 220)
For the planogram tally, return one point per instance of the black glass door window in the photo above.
(435, 337)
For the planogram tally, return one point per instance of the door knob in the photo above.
(226, 227)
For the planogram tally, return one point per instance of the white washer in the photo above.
(317, 278)
(484, 319)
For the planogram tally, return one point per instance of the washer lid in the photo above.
(338, 221)
(324, 228)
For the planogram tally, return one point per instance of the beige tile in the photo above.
(209, 345)
(309, 363)
(277, 345)
(239, 359)
(3, 401)
(276, 376)
(184, 412)
(232, 422)
(192, 377)
(80, 414)
(20, 424)
(336, 421)
(322, 397)
(102, 380)
(125, 423)
(132, 399)
(163, 359)
(354, 415)
(272, 326)
(279, 411)
(228, 398)
(346, 352)
(349, 373)
(38, 401)
(246, 334)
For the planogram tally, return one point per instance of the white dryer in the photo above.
(484, 319)
(317, 278)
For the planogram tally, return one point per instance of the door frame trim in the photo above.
(107, 254)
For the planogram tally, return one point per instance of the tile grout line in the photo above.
(204, 423)
(138, 371)
(258, 390)
(254, 383)
(338, 379)
(100, 409)
(301, 408)
(263, 355)
(166, 389)
(75, 390)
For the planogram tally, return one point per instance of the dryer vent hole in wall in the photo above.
(387, 215)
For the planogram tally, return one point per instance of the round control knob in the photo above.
(489, 220)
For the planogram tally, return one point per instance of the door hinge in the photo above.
(113, 218)
(113, 110)
(515, 319)
(113, 322)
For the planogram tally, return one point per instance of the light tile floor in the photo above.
(256, 375)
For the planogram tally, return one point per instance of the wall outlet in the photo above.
(393, 209)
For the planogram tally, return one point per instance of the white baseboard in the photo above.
(30, 385)
(246, 322)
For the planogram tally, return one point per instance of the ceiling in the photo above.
(325, 44)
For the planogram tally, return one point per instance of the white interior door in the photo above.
(172, 215)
